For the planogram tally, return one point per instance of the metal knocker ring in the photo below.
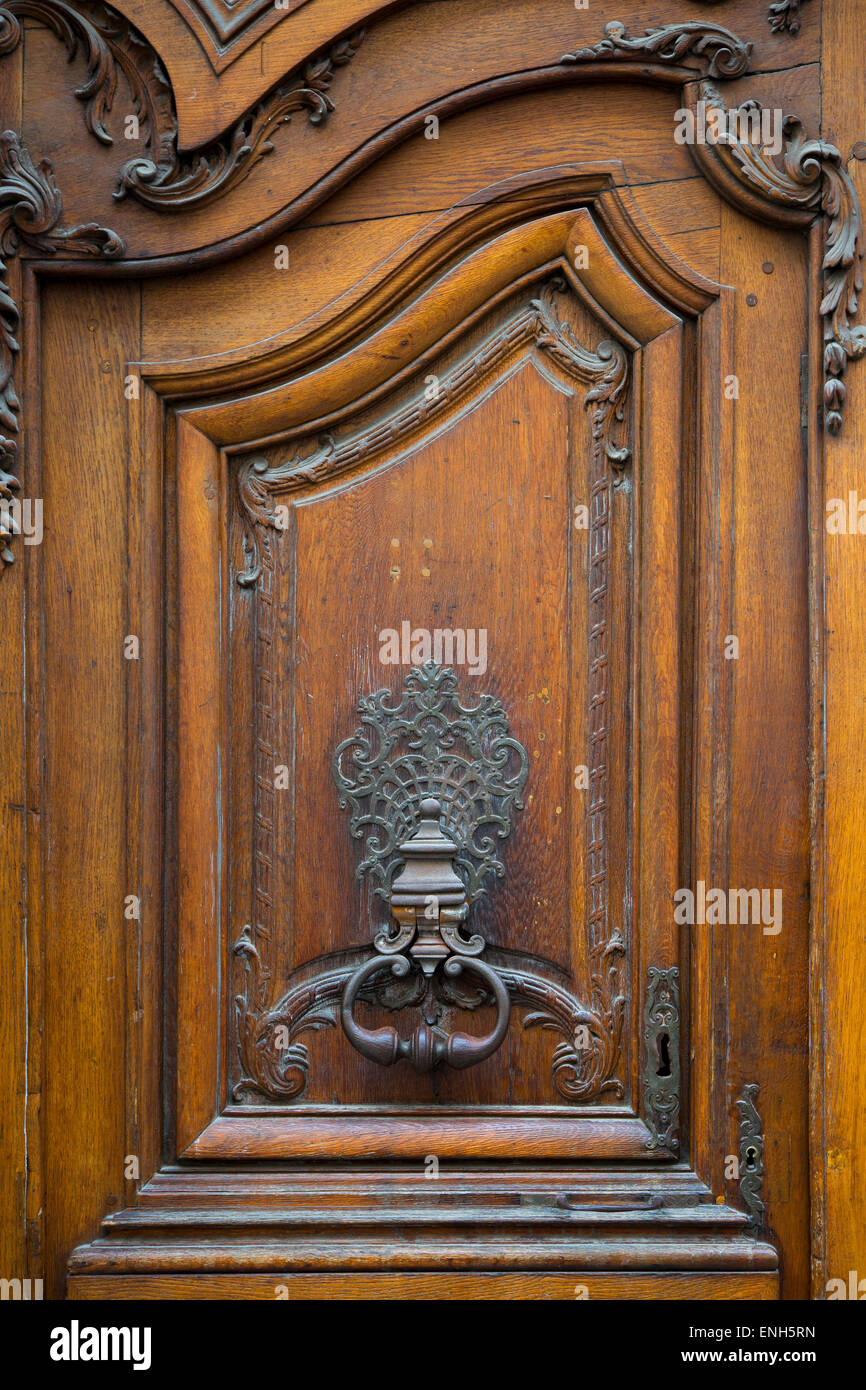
(429, 1046)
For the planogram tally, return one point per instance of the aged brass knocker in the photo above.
(426, 759)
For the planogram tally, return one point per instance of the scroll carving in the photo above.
(723, 54)
(110, 44)
(163, 178)
(811, 177)
(275, 1063)
(814, 177)
(180, 183)
(30, 214)
(585, 1061)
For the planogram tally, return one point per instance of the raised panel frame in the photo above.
(201, 441)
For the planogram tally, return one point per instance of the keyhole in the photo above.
(751, 1155)
(664, 1066)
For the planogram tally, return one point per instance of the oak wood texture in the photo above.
(413, 1286)
(136, 777)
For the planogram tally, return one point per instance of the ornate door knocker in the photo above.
(410, 767)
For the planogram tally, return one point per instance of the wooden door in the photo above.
(426, 850)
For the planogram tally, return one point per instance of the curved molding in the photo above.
(604, 371)
(318, 399)
(180, 183)
(111, 45)
(167, 181)
(30, 214)
(809, 185)
(275, 1063)
(462, 262)
(225, 28)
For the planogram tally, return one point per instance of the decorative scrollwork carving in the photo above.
(812, 177)
(109, 43)
(275, 1063)
(429, 744)
(180, 183)
(163, 178)
(751, 1158)
(662, 1058)
(724, 54)
(605, 371)
(584, 1063)
(30, 212)
(31, 208)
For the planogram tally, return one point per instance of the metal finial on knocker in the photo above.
(426, 759)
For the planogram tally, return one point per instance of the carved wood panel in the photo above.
(479, 503)
(485, 494)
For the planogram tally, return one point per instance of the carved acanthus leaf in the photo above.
(585, 1062)
(176, 184)
(722, 52)
(109, 42)
(163, 178)
(812, 176)
(30, 212)
(784, 15)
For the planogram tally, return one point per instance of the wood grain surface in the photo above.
(302, 316)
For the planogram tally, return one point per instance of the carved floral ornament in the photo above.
(783, 16)
(809, 183)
